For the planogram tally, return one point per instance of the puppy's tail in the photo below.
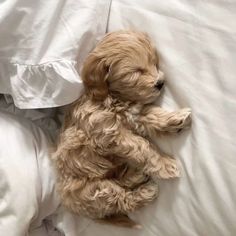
(120, 220)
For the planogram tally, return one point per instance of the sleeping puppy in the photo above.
(106, 162)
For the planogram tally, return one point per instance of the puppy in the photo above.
(106, 162)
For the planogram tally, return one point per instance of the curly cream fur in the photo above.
(106, 162)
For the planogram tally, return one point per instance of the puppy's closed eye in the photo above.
(141, 70)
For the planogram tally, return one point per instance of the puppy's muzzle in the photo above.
(159, 84)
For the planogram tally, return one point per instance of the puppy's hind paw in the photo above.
(168, 168)
(148, 191)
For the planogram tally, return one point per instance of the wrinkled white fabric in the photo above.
(40, 45)
(197, 45)
(49, 120)
(196, 41)
(27, 179)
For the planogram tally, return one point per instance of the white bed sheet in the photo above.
(197, 45)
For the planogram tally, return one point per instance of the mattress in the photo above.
(196, 43)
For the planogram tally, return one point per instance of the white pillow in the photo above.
(27, 179)
(40, 42)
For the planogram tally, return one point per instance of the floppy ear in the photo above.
(94, 76)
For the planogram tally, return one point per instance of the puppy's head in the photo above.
(125, 65)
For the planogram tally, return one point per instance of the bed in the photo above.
(196, 42)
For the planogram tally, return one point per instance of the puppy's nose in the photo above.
(159, 84)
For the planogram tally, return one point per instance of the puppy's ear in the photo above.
(94, 76)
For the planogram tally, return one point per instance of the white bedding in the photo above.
(27, 181)
(39, 45)
(197, 44)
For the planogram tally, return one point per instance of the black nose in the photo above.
(159, 84)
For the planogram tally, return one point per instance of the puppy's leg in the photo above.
(130, 177)
(155, 119)
(167, 168)
(101, 198)
(113, 139)
(140, 152)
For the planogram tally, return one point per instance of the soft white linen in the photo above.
(29, 203)
(197, 44)
(27, 180)
(49, 120)
(196, 41)
(39, 45)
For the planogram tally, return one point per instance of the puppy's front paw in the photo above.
(180, 120)
(168, 168)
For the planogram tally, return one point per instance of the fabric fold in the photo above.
(50, 84)
(43, 45)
